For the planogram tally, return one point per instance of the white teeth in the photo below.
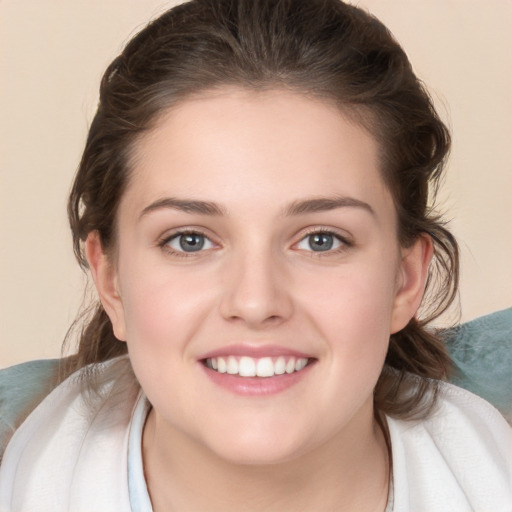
(232, 365)
(300, 364)
(250, 367)
(221, 365)
(265, 367)
(290, 365)
(246, 367)
(280, 366)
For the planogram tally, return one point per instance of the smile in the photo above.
(256, 367)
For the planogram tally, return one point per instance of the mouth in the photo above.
(264, 370)
(263, 367)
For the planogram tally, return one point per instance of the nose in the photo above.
(256, 290)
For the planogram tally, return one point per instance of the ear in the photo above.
(105, 279)
(412, 277)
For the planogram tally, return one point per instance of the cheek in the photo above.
(164, 307)
(352, 295)
(163, 313)
(352, 309)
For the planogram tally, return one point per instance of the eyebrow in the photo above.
(300, 207)
(184, 205)
(323, 204)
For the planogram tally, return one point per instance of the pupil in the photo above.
(321, 242)
(192, 242)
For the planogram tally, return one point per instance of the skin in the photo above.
(316, 445)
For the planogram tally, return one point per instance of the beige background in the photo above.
(52, 54)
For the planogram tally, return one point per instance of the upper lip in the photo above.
(255, 351)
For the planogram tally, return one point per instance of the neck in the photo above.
(349, 473)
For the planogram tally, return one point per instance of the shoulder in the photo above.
(458, 459)
(22, 388)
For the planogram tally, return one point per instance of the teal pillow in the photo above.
(482, 356)
(22, 387)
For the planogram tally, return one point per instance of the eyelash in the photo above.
(343, 240)
(164, 242)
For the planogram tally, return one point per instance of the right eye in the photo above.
(320, 242)
(188, 242)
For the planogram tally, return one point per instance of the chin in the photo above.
(258, 456)
(261, 447)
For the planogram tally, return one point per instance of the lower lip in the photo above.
(256, 386)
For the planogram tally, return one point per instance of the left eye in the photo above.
(320, 242)
(189, 242)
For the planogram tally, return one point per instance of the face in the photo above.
(258, 274)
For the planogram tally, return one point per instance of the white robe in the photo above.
(71, 454)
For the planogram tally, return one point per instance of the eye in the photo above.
(188, 242)
(320, 241)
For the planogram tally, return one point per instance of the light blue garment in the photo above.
(139, 496)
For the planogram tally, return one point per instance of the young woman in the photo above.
(253, 205)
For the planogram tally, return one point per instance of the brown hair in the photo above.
(323, 48)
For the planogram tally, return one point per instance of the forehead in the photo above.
(249, 148)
